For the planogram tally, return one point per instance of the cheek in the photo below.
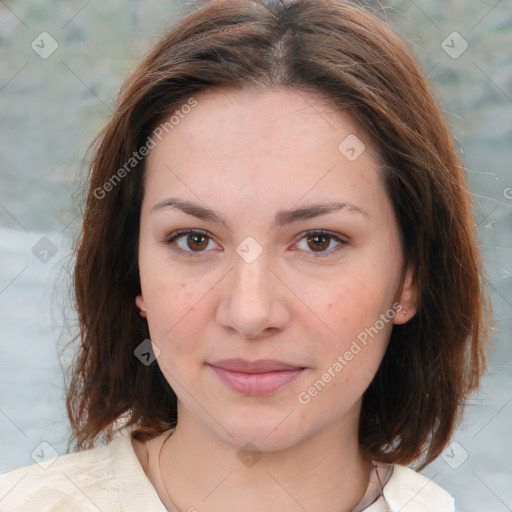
(174, 312)
(357, 310)
(348, 364)
(351, 302)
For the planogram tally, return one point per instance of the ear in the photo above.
(407, 297)
(139, 301)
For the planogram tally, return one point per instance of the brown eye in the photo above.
(194, 242)
(318, 243)
(190, 242)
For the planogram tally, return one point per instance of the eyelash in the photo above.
(170, 240)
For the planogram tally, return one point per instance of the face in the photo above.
(272, 315)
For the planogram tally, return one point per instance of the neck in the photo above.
(326, 471)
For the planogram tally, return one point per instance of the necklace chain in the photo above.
(374, 466)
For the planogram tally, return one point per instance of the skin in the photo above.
(248, 154)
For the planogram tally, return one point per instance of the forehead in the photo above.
(280, 142)
(263, 119)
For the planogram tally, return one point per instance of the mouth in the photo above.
(255, 377)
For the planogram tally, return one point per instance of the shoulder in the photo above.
(409, 491)
(102, 478)
(68, 482)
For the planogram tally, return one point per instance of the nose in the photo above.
(253, 300)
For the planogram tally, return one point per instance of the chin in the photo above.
(272, 433)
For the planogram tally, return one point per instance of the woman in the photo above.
(278, 283)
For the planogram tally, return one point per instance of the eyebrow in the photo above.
(281, 218)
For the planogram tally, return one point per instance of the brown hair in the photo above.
(350, 56)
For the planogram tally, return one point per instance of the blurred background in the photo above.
(61, 65)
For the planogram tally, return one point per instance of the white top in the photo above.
(110, 478)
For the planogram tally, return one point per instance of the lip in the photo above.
(259, 366)
(255, 377)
